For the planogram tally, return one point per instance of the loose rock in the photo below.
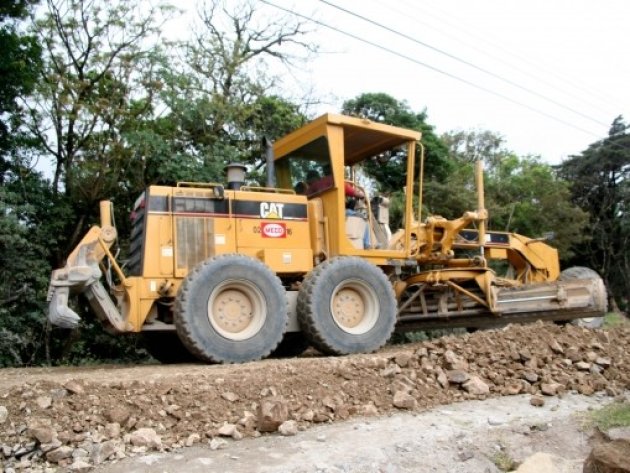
(103, 451)
(550, 389)
(146, 437)
(80, 466)
(457, 376)
(217, 443)
(44, 402)
(403, 400)
(74, 387)
(43, 434)
(229, 396)
(288, 428)
(271, 413)
(117, 414)
(58, 454)
(476, 386)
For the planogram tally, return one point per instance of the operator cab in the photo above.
(320, 161)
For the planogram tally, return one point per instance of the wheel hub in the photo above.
(232, 311)
(348, 308)
(354, 307)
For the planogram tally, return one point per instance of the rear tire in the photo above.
(580, 272)
(231, 309)
(347, 305)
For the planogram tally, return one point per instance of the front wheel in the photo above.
(347, 305)
(231, 309)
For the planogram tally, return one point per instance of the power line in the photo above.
(520, 69)
(435, 69)
(595, 93)
(464, 61)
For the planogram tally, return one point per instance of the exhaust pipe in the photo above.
(270, 159)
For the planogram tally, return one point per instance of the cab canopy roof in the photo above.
(362, 138)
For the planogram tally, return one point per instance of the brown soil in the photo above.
(84, 416)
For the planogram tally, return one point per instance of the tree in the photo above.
(19, 62)
(221, 99)
(91, 83)
(383, 108)
(23, 255)
(96, 76)
(522, 194)
(601, 186)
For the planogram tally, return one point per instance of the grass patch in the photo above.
(615, 319)
(616, 414)
(504, 462)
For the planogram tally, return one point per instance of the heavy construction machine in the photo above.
(232, 273)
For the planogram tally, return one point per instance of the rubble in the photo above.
(91, 418)
(145, 437)
(609, 457)
(288, 428)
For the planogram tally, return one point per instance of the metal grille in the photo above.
(195, 240)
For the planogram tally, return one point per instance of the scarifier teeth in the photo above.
(69, 320)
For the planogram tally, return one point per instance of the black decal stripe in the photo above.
(195, 205)
(275, 220)
(158, 203)
(294, 211)
(200, 214)
(247, 208)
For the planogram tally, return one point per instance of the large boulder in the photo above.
(610, 457)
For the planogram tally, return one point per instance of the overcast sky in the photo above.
(571, 56)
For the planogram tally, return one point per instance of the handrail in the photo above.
(198, 184)
(267, 189)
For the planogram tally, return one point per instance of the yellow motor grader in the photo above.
(232, 273)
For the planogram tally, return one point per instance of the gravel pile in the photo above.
(85, 421)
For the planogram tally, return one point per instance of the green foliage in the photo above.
(522, 194)
(615, 319)
(600, 178)
(219, 102)
(382, 108)
(504, 462)
(98, 66)
(616, 414)
(24, 268)
(113, 113)
(19, 61)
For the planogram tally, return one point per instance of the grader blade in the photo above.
(586, 297)
(561, 301)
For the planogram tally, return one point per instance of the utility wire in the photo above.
(520, 69)
(464, 61)
(435, 69)
(594, 93)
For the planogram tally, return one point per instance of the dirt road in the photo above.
(465, 437)
(81, 417)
